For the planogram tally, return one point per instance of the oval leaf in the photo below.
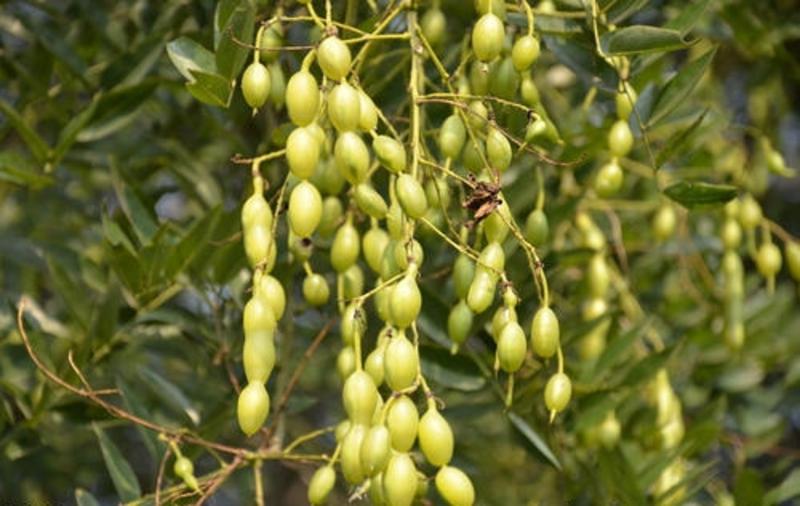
(638, 39)
(121, 473)
(693, 194)
(188, 55)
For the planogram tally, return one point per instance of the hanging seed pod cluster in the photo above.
(460, 218)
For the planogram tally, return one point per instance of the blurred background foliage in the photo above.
(119, 223)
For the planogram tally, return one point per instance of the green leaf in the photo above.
(85, 498)
(171, 395)
(69, 133)
(192, 244)
(693, 194)
(142, 220)
(36, 144)
(188, 55)
(615, 350)
(451, 371)
(232, 27)
(646, 368)
(639, 39)
(787, 490)
(114, 234)
(116, 110)
(679, 87)
(689, 15)
(534, 438)
(17, 169)
(134, 404)
(594, 407)
(678, 142)
(210, 88)
(622, 9)
(618, 474)
(120, 470)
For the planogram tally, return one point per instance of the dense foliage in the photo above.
(601, 296)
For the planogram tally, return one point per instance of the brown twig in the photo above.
(160, 476)
(220, 479)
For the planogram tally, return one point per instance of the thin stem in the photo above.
(259, 482)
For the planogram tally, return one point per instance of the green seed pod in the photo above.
(750, 214)
(481, 291)
(494, 225)
(344, 107)
(537, 228)
(400, 363)
(274, 294)
(545, 333)
(731, 234)
(277, 90)
(502, 316)
(473, 154)
(353, 282)
(252, 407)
(609, 179)
(557, 392)
(259, 356)
(625, 101)
(435, 437)
(492, 259)
(350, 461)
(352, 157)
(271, 43)
(370, 201)
(302, 98)
(382, 301)
(334, 58)
(305, 209)
(459, 322)
(302, 152)
(342, 428)
(375, 492)
(368, 113)
(258, 245)
(374, 243)
(529, 92)
(452, 136)
(598, 278)
(463, 273)
(390, 152)
(478, 115)
(184, 469)
(256, 212)
(375, 365)
(255, 85)
(792, 254)
(376, 450)
(316, 290)
(536, 128)
(488, 36)
(609, 431)
(353, 323)
(402, 420)
(511, 347)
(400, 480)
(389, 267)
(411, 196)
(503, 79)
(405, 300)
(498, 150)
(437, 191)
(406, 253)
(434, 26)
(620, 138)
(455, 487)
(768, 259)
(346, 362)
(525, 52)
(332, 212)
(321, 485)
(359, 396)
(258, 315)
(345, 248)
(664, 222)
